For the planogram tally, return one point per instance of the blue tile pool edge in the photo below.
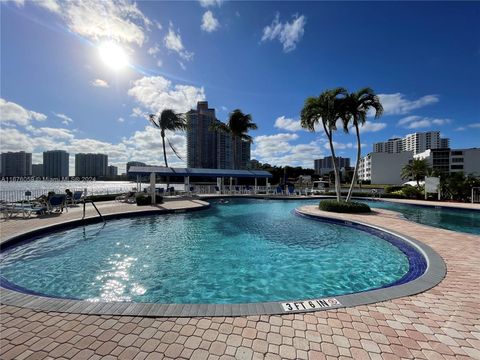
(417, 263)
(434, 274)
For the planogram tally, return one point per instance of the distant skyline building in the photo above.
(37, 170)
(56, 163)
(212, 149)
(18, 164)
(417, 142)
(112, 171)
(325, 166)
(91, 165)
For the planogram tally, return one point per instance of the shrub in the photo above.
(392, 188)
(143, 199)
(412, 192)
(343, 206)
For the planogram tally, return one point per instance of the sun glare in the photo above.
(113, 55)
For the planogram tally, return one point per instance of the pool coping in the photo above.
(435, 272)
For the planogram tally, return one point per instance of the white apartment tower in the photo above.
(417, 143)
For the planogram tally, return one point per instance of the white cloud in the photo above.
(14, 140)
(65, 119)
(173, 42)
(121, 120)
(207, 3)
(156, 93)
(50, 5)
(11, 112)
(159, 26)
(397, 104)
(370, 126)
(154, 50)
(278, 150)
(469, 126)
(137, 112)
(288, 33)
(19, 3)
(54, 133)
(100, 83)
(415, 122)
(159, 63)
(119, 20)
(288, 124)
(209, 23)
(142, 145)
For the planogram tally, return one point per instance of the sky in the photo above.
(83, 76)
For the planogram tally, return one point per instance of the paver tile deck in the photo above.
(441, 323)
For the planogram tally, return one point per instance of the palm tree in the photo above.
(327, 109)
(355, 108)
(168, 120)
(416, 169)
(238, 126)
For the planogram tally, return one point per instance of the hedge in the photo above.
(343, 206)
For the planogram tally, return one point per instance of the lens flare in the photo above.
(113, 55)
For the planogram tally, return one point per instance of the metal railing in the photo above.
(95, 206)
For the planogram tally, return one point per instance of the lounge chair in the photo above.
(27, 209)
(56, 203)
(75, 198)
(129, 197)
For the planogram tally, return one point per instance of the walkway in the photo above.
(441, 323)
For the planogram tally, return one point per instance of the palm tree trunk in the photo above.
(359, 152)
(165, 156)
(335, 168)
(234, 152)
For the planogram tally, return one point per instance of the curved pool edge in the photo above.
(435, 272)
(433, 275)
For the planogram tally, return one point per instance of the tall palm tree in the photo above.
(168, 120)
(355, 109)
(238, 126)
(416, 169)
(325, 109)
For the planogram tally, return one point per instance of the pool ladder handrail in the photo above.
(95, 206)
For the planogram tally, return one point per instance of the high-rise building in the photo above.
(416, 142)
(16, 164)
(201, 140)
(91, 165)
(212, 149)
(325, 166)
(37, 170)
(391, 146)
(56, 163)
(112, 171)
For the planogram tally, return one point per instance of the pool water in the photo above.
(240, 252)
(467, 221)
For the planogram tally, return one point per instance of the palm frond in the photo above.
(173, 149)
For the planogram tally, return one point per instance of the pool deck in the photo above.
(441, 323)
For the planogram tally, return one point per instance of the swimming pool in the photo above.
(241, 252)
(467, 221)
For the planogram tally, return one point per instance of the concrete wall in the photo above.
(387, 168)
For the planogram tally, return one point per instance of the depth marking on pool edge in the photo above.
(310, 304)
